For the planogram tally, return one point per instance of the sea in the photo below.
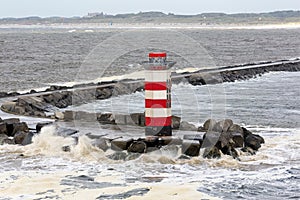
(35, 58)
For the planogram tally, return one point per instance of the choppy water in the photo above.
(33, 58)
(268, 105)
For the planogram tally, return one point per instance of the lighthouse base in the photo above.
(158, 131)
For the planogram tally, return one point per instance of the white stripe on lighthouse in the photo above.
(157, 76)
(158, 112)
(156, 94)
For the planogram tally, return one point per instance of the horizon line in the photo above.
(135, 13)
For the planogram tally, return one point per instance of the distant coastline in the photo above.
(159, 19)
(94, 27)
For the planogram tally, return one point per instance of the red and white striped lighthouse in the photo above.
(158, 115)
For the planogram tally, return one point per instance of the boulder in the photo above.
(246, 132)
(59, 115)
(28, 139)
(222, 126)
(254, 141)
(4, 94)
(185, 126)
(234, 128)
(212, 152)
(104, 93)
(176, 122)
(3, 128)
(238, 139)
(40, 125)
(230, 150)
(19, 110)
(191, 148)
(196, 79)
(100, 143)
(3, 138)
(151, 141)
(137, 147)
(210, 139)
(237, 133)
(22, 126)
(36, 103)
(106, 118)
(8, 107)
(20, 136)
(209, 124)
(10, 125)
(121, 144)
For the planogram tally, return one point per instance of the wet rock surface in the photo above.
(220, 138)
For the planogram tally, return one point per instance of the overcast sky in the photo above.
(44, 8)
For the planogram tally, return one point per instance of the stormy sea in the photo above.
(268, 105)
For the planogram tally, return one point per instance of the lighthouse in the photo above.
(158, 114)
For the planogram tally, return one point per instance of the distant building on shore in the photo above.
(96, 14)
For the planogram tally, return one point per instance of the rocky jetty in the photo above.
(216, 138)
(48, 102)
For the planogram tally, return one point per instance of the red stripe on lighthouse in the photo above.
(156, 86)
(157, 55)
(158, 121)
(157, 103)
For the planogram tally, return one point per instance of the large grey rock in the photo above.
(10, 125)
(176, 122)
(137, 147)
(22, 126)
(8, 107)
(185, 126)
(222, 126)
(3, 128)
(20, 136)
(209, 124)
(238, 139)
(210, 139)
(106, 118)
(28, 139)
(212, 152)
(103, 93)
(100, 143)
(234, 128)
(36, 103)
(121, 144)
(191, 148)
(3, 138)
(254, 141)
(237, 133)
